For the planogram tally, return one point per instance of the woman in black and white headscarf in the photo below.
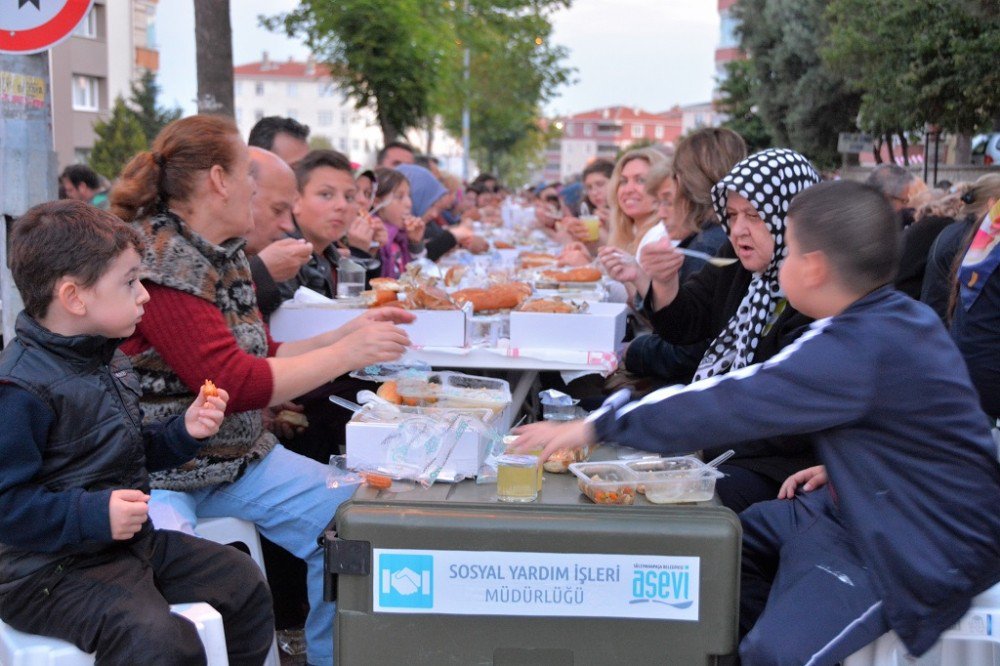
(739, 307)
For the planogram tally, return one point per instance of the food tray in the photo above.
(674, 480)
(606, 482)
(455, 390)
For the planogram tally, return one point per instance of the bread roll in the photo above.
(582, 274)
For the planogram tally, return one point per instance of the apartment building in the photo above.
(112, 47)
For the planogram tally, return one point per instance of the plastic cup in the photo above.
(593, 225)
(517, 478)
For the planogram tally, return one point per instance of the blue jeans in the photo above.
(286, 497)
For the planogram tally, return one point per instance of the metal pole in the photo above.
(937, 146)
(927, 154)
(465, 103)
(27, 160)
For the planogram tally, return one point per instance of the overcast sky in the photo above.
(646, 53)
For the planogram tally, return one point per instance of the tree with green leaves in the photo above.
(737, 99)
(514, 70)
(390, 54)
(118, 140)
(151, 116)
(802, 103)
(918, 61)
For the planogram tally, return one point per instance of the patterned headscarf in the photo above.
(768, 180)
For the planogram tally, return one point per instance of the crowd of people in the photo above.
(770, 312)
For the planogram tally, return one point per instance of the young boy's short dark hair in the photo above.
(81, 173)
(320, 158)
(60, 238)
(394, 144)
(854, 226)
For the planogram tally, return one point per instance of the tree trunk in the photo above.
(963, 149)
(213, 36)
(905, 148)
(389, 131)
(888, 144)
(878, 149)
(430, 136)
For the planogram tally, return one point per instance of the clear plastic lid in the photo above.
(517, 460)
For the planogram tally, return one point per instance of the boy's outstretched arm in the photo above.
(31, 516)
(820, 381)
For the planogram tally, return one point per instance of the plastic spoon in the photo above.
(346, 404)
(715, 261)
(714, 463)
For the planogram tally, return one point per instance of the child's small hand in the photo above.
(204, 417)
(127, 511)
(550, 437)
(810, 479)
(414, 228)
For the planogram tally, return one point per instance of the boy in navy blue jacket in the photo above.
(78, 558)
(907, 531)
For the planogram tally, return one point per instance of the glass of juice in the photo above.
(517, 478)
(508, 440)
(593, 225)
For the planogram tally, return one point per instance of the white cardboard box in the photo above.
(599, 329)
(432, 328)
(366, 447)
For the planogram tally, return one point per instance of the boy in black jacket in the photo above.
(906, 533)
(78, 558)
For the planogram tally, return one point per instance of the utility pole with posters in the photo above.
(27, 160)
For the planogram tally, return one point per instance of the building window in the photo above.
(327, 89)
(293, 114)
(659, 131)
(258, 89)
(292, 89)
(344, 118)
(239, 115)
(325, 118)
(588, 129)
(81, 155)
(342, 143)
(151, 31)
(355, 144)
(258, 114)
(238, 88)
(88, 25)
(85, 89)
(637, 132)
(727, 30)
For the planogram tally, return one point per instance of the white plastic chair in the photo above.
(20, 649)
(974, 641)
(228, 531)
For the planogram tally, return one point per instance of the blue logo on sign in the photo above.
(666, 587)
(406, 581)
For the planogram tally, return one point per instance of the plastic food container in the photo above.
(606, 483)
(485, 330)
(672, 480)
(455, 390)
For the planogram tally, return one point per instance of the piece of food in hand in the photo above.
(582, 274)
(503, 245)
(454, 276)
(559, 462)
(377, 481)
(389, 391)
(210, 389)
(548, 305)
(385, 284)
(292, 418)
(536, 259)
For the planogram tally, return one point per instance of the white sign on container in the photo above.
(463, 582)
(432, 328)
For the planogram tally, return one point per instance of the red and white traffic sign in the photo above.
(30, 26)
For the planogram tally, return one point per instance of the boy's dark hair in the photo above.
(263, 133)
(64, 238)
(854, 226)
(81, 173)
(320, 158)
(394, 144)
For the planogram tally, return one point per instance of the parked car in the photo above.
(986, 149)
